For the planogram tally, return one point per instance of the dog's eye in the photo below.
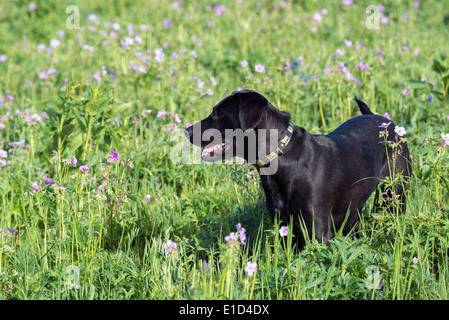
(219, 113)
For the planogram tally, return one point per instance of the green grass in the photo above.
(96, 235)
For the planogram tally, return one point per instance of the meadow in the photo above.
(94, 97)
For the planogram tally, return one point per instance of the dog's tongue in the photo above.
(207, 150)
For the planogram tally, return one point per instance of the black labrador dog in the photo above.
(319, 181)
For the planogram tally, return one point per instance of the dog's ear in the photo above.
(252, 106)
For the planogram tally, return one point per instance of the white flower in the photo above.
(259, 68)
(400, 130)
(445, 137)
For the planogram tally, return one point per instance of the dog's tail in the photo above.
(362, 106)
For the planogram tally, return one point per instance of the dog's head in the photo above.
(230, 129)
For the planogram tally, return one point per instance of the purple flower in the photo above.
(244, 64)
(35, 186)
(48, 180)
(251, 268)
(10, 97)
(113, 156)
(348, 43)
(406, 92)
(241, 232)
(384, 125)
(415, 260)
(379, 53)
(12, 230)
(387, 115)
(219, 9)
(74, 161)
(84, 168)
(327, 70)
(170, 247)
(363, 66)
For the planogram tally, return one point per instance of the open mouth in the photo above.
(212, 151)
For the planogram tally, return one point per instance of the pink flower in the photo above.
(161, 114)
(48, 180)
(387, 115)
(148, 198)
(113, 156)
(219, 9)
(259, 68)
(35, 186)
(406, 92)
(244, 64)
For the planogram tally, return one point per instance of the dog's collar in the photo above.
(280, 148)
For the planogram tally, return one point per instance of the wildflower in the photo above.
(219, 9)
(232, 238)
(445, 138)
(206, 266)
(113, 156)
(404, 48)
(3, 153)
(170, 247)
(251, 268)
(327, 70)
(161, 114)
(147, 111)
(430, 99)
(416, 52)
(35, 186)
(241, 233)
(347, 2)
(48, 180)
(384, 125)
(54, 43)
(379, 53)
(317, 17)
(387, 115)
(415, 260)
(400, 131)
(363, 66)
(260, 68)
(244, 64)
(283, 231)
(74, 161)
(12, 230)
(406, 92)
(148, 198)
(3, 57)
(3, 163)
(32, 6)
(10, 97)
(348, 43)
(84, 168)
(416, 4)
